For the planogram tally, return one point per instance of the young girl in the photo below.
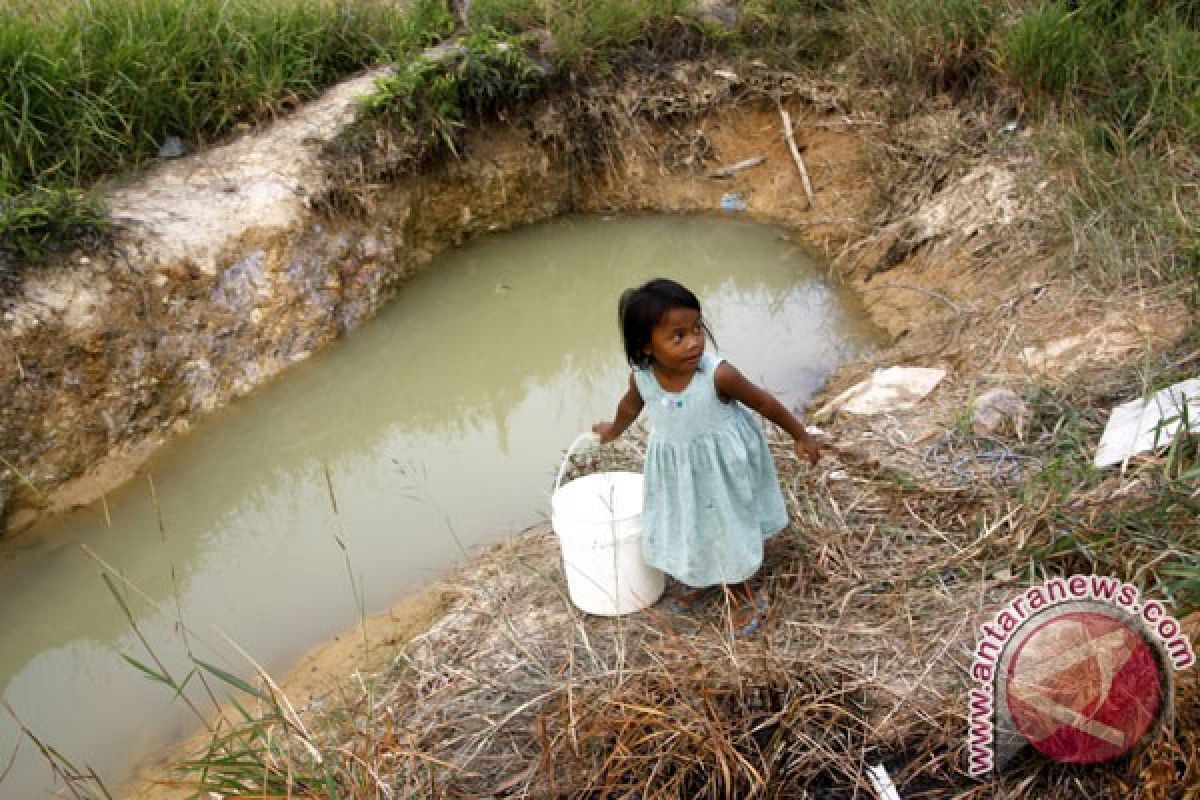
(711, 493)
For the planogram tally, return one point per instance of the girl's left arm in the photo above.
(731, 384)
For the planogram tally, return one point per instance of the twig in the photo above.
(935, 295)
(791, 140)
(733, 169)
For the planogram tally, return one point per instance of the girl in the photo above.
(711, 494)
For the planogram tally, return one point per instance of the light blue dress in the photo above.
(711, 492)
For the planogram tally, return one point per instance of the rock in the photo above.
(891, 389)
(172, 147)
(723, 12)
(995, 409)
(370, 248)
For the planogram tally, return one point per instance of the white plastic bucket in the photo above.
(598, 521)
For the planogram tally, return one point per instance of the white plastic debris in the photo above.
(891, 389)
(1142, 425)
(882, 783)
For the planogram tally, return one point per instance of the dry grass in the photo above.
(875, 593)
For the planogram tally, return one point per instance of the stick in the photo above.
(732, 169)
(791, 140)
(929, 292)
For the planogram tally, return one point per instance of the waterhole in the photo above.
(361, 474)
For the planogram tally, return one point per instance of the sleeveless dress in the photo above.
(711, 495)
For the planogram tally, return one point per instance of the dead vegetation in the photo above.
(875, 594)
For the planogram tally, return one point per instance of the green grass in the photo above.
(1118, 79)
(587, 33)
(1125, 79)
(1131, 69)
(940, 45)
(94, 88)
(1130, 212)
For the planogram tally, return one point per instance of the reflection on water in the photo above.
(441, 422)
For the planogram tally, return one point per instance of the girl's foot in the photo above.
(748, 614)
(686, 601)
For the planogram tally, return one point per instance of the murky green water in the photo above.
(441, 423)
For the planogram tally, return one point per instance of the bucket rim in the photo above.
(611, 518)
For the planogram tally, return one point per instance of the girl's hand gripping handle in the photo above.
(605, 431)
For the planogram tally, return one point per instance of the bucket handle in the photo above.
(583, 437)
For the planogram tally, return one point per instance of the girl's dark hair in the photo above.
(640, 310)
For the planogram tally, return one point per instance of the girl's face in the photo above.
(677, 342)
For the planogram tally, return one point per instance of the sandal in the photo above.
(758, 605)
(750, 628)
(685, 602)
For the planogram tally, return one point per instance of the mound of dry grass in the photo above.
(875, 594)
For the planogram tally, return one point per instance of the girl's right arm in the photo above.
(627, 410)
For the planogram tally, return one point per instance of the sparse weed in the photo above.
(429, 97)
(33, 221)
(942, 45)
(1128, 212)
(586, 33)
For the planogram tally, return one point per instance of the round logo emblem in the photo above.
(1083, 687)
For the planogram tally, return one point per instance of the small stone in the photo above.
(172, 147)
(997, 409)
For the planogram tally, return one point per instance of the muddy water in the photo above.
(440, 423)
